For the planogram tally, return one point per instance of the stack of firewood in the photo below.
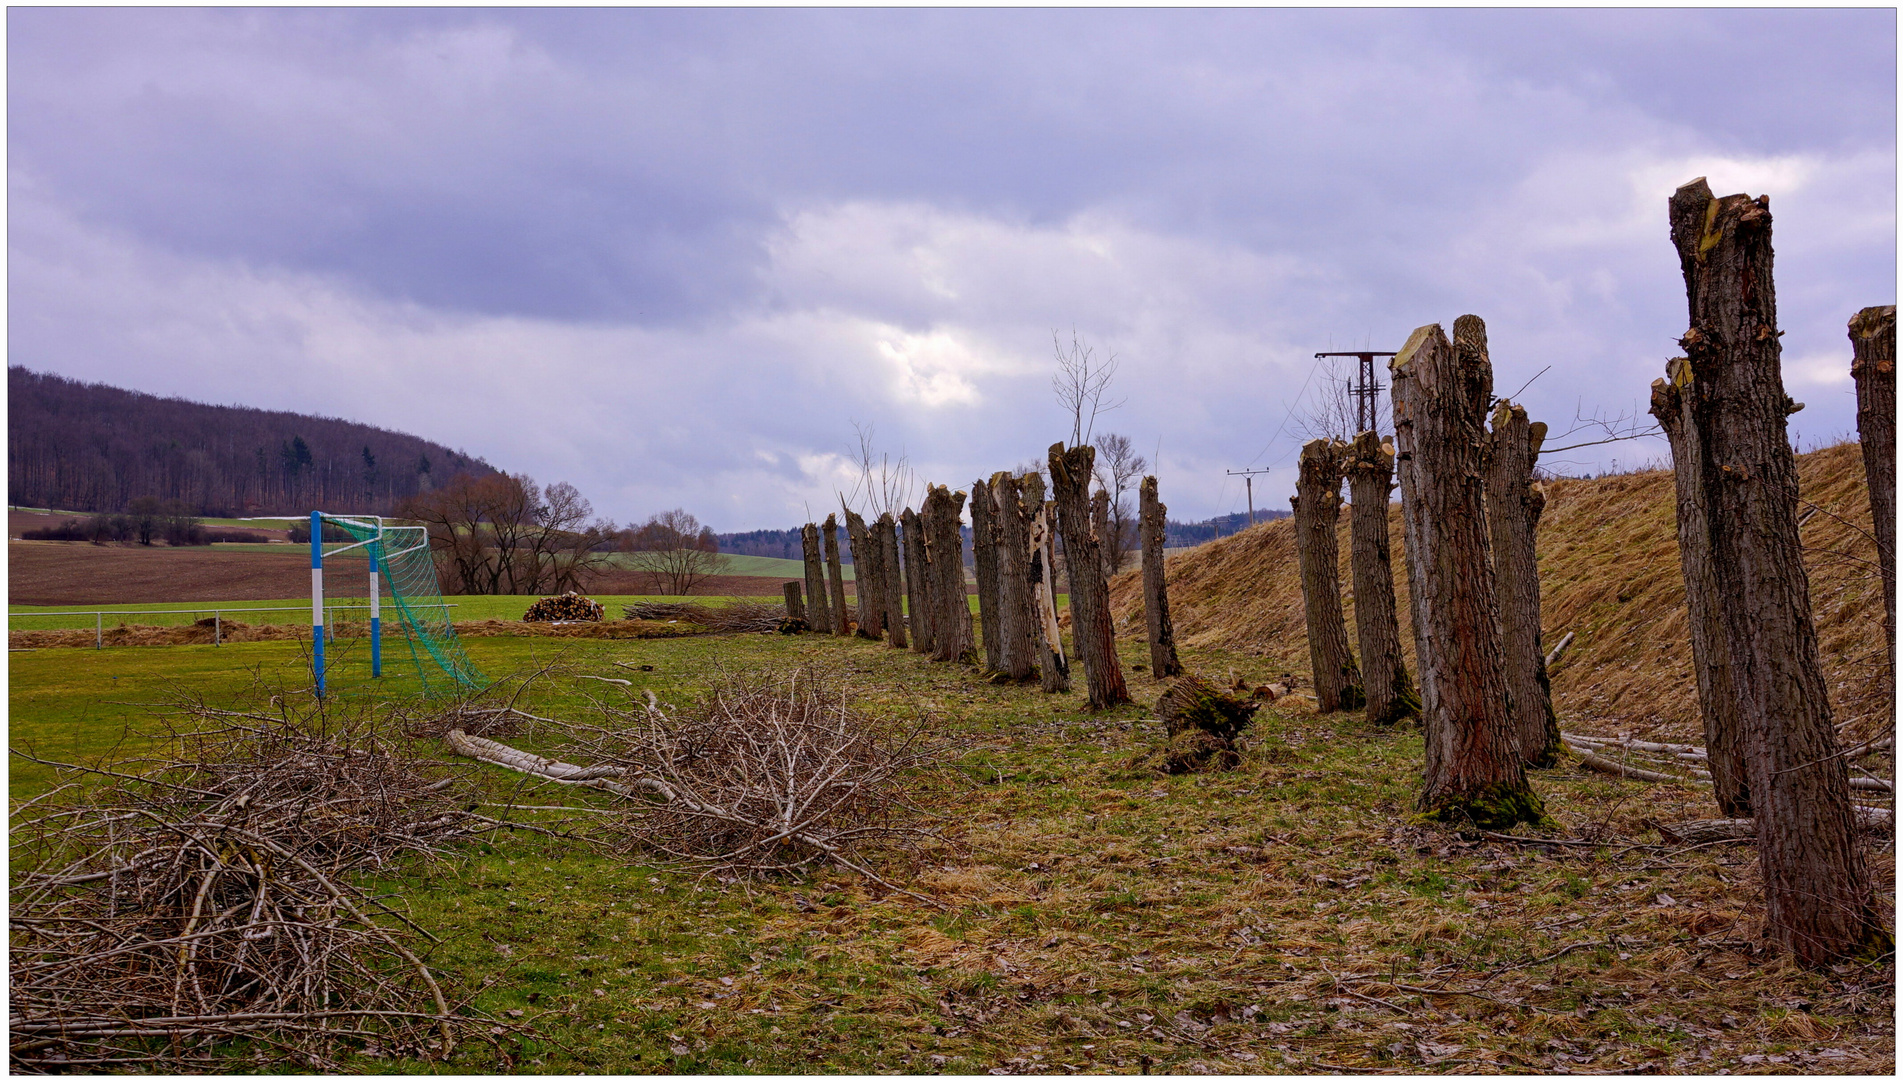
(568, 607)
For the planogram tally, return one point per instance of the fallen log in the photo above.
(1606, 765)
(1719, 830)
(1559, 650)
(560, 772)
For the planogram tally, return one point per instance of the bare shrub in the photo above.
(162, 915)
(771, 774)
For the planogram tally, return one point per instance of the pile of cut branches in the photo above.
(739, 617)
(199, 915)
(768, 775)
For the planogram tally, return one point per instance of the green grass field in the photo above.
(1098, 916)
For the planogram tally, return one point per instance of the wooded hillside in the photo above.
(91, 447)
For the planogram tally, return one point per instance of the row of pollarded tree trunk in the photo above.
(1469, 507)
(1015, 535)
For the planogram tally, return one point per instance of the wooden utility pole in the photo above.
(1248, 483)
(1711, 656)
(1391, 693)
(1317, 505)
(984, 566)
(1090, 617)
(1473, 771)
(918, 579)
(1514, 504)
(1817, 891)
(1873, 365)
(821, 619)
(1152, 524)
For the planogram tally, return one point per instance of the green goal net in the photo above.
(408, 575)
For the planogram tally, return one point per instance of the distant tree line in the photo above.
(145, 521)
(90, 447)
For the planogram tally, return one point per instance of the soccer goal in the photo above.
(399, 556)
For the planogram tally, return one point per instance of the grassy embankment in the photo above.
(1287, 916)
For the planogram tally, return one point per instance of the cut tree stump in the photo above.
(1152, 523)
(1017, 610)
(1317, 504)
(1818, 897)
(1473, 770)
(945, 561)
(1091, 623)
(1711, 656)
(795, 606)
(1514, 503)
(1390, 690)
(821, 616)
(893, 589)
(984, 565)
(1052, 663)
(1202, 725)
(842, 619)
(917, 581)
(1873, 365)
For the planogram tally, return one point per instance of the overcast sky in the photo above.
(673, 256)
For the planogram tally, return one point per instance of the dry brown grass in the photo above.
(1608, 572)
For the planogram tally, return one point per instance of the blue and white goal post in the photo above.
(374, 545)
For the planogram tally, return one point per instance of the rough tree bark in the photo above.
(1473, 769)
(870, 606)
(1017, 612)
(1514, 503)
(1391, 693)
(945, 560)
(918, 578)
(984, 566)
(1090, 619)
(1152, 523)
(1711, 656)
(1052, 663)
(842, 619)
(1817, 889)
(795, 606)
(1317, 504)
(1873, 365)
(820, 617)
(886, 533)
(1100, 528)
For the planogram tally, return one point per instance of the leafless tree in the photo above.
(885, 485)
(1330, 412)
(502, 534)
(1080, 382)
(1119, 467)
(675, 551)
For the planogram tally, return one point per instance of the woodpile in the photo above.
(568, 607)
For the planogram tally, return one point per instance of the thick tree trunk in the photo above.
(1817, 891)
(1052, 662)
(945, 558)
(1873, 365)
(1391, 694)
(821, 617)
(1017, 612)
(1100, 528)
(1317, 504)
(984, 565)
(1514, 503)
(1473, 769)
(795, 606)
(1090, 618)
(918, 579)
(1711, 656)
(842, 619)
(886, 533)
(870, 606)
(1152, 522)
